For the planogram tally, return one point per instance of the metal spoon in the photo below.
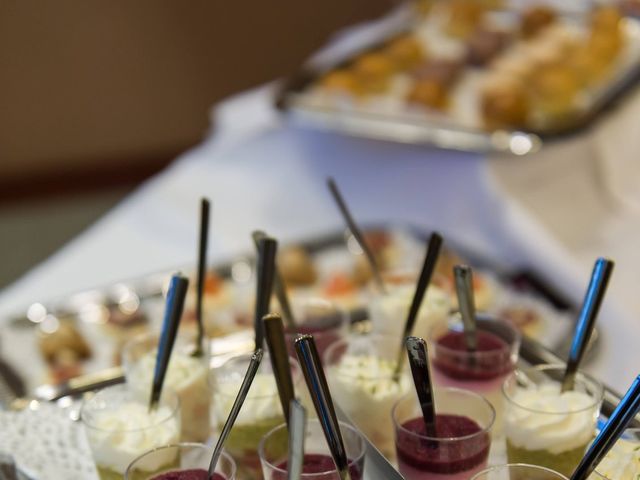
(357, 233)
(172, 315)
(267, 248)
(586, 321)
(317, 384)
(254, 364)
(466, 304)
(428, 266)
(202, 271)
(279, 356)
(278, 285)
(297, 433)
(624, 413)
(419, 362)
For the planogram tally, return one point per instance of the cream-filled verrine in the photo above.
(120, 427)
(623, 460)
(186, 375)
(545, 426)
(360, 371)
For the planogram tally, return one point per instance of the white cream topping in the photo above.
(119, 436)
(388, 312)
(262, 401)
(622, 461)
(183, 371)
(539, 418)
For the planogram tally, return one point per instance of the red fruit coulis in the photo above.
(445, 457)
(191, 474)
(318, 463)
(451, 359)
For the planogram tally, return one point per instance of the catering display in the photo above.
(472, 75)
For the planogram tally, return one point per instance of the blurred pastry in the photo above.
(504, 103)
(516, 66)
(406, 52)
(296, 266)
(439, 70)
(606, 18)
(484, 45)
(430, 93)
(605, 44)
(630, 7)
(590, 69)
(373, 70)
(342, 81)
(464, 16)
(535, 19)
(555, 89)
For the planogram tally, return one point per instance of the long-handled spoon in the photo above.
(254, 364)
(202, 271)
(428, 266)
(274, 330)
(586, 321)
(172, 314)
(297, 432)
(464, 288)
(278, 286)
(267, 248)
(624, 413)
(419, 362)
(357, 233)
(317, 384)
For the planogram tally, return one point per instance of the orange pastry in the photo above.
(464, 17)
(535, 19)
(342, 81)
(555, 89)
(504, 104)
(406, 52)
(430, 93)
(374, 70)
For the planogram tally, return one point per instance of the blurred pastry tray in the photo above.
(376, 120)
(128, 303)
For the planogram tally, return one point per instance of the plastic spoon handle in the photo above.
(587, 319)
(357, 233)
(278, 286)
(428, 267)
(202, 269)
(317, 384)
(419, 362)
(274, 330)
(267, 248)
(624, 413)
(466, 304)
(297, 432)
(254, 364)
(172, 315)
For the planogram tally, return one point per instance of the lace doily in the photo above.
(46, 444)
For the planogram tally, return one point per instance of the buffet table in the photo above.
(262, 172)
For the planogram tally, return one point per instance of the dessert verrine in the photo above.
(321, 318)
(547, 427)
(186, 375)
(518, 472)
(191, 463)
(120, 427)
(360, 371)
(482, 371)
(318, 463)
(623, 460)
(461, 446)
(260, 413)
(388, 311)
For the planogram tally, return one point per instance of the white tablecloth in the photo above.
(263, 173)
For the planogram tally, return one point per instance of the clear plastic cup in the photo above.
(184, 457)
(518, 471)
(261, 411)
(482, 371)
(623, 460)
(450, 457)
(187, 376)
(360, 372)
(275, 445)
(547, 429)
(323, 319)
(119, 427)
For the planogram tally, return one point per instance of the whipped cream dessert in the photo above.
(118, 436)
(622, 461)
(187, 376)
(388, 312)
(363, 385)
(546, 427)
